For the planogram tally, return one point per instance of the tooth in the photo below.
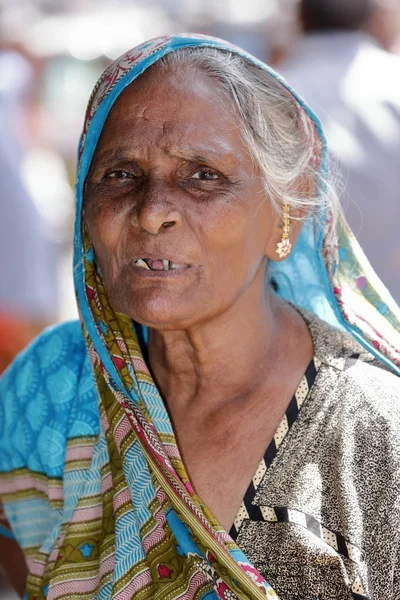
(141, 263)
(172, 265)
(165, 263)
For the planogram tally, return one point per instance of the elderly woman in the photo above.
(226, 421)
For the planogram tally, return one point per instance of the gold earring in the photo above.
(285, 247)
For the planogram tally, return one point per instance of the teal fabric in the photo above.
(47, 397)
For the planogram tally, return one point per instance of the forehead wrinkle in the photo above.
(125, 140)
(152, 117)
(189, 142)
(174, 140)
(140, 131)
(160, 117)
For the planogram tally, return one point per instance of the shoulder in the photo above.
(373, 392)
(51, 364)
(55, 344)
(361, 388)
(46, 396)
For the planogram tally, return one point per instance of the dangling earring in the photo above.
(285, 247)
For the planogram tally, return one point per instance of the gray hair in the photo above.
(271, 127)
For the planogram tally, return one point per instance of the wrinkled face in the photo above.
(174, 206)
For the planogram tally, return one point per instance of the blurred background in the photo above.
(343, 56)
(51, 54)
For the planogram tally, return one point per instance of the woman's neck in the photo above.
(228, 358)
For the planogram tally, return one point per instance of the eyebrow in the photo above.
(122, 153)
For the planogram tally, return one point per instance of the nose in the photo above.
(157, 211)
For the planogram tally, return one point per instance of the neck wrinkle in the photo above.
(219, 360)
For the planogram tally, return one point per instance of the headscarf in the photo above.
(145, 533)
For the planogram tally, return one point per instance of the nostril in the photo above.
(168, 224)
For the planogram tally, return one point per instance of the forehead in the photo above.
(170, 107)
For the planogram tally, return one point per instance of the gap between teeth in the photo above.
(168, 265)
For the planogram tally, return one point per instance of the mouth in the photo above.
(159, 265)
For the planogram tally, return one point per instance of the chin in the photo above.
(158, 310)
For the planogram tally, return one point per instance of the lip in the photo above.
(147, 274)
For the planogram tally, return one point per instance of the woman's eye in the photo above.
(119, 174)
(205, 175)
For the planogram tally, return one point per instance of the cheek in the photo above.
(238, 234)
(105, 234)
